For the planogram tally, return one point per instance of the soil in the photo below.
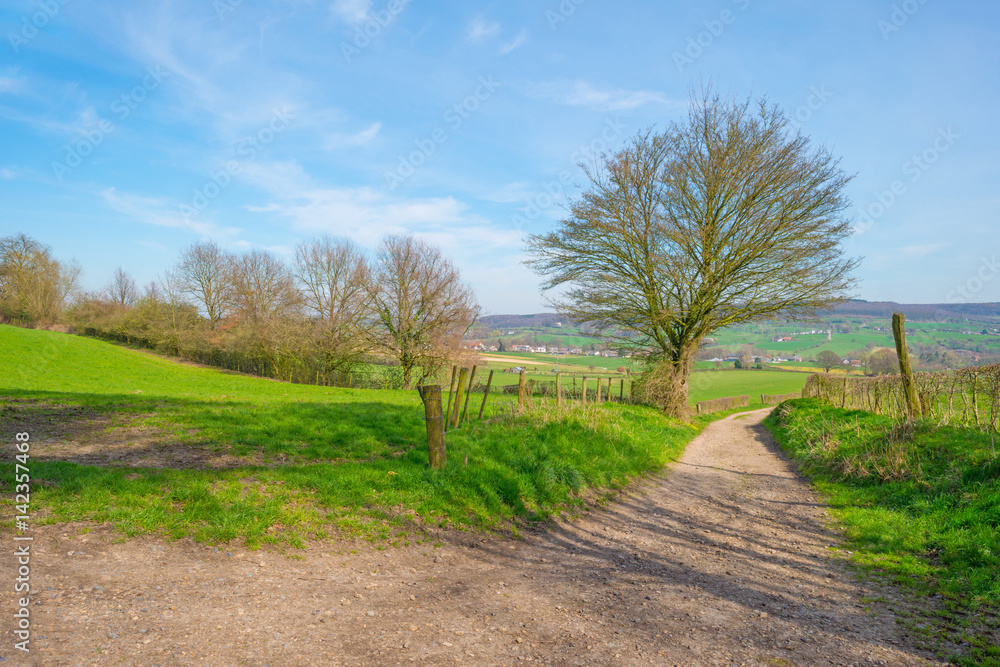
(727, 559)
(65, 432)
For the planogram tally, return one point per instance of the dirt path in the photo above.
(724, 561)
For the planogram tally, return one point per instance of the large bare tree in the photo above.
(332, 274)
(724, 218)
(33, 285)
(263, 288)
(205, 274)
(421, 305)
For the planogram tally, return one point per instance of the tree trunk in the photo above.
(666, 385)
(675, 401)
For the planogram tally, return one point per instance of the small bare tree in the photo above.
(828, 359)
(122, 290)
(332, 275)
(205, 274)
(422, 307)
(172, 291)
(883, 361)
(722, 219)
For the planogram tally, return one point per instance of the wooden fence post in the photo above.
(451, 391)
(558, 390)
(489, 383)
(909, 386)
(468, 395)
(621, 394)
(521, 389)
(583, 393)
(433, 414)
(456, 409)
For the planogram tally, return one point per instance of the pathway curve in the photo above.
(723, 561)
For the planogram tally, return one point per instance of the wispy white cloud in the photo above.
(359, 138)
(480, 29)
(211, 76)
(161, 213)
(521, 38)
(86, 118)
(6, 174)
(582, 94)
(280, 249)
(922, 250)
(352, 11)
(366, 214)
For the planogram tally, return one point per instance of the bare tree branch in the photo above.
(204, 273)
(332, 276)
(422, 307)
(722, 219)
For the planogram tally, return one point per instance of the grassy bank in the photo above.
(298, 462)
(919, 504)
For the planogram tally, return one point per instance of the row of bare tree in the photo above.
(326, 311)
(34, 287)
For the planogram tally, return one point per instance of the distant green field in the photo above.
(301, 461)
(923, 333)
(706, 385)
(567, 340)
(545, 364)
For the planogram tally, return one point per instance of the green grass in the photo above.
(706, 385)
(919, 505)
(318, 461)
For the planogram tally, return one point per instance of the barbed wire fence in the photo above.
(967, 397)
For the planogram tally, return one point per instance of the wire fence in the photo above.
(968, 397)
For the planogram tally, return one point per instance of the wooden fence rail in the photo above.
(774, 399)
(719, 404)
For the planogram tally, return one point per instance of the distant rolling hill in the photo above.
(923, 312)
(523, 321)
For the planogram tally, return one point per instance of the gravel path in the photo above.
(723, 561)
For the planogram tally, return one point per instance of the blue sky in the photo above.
(130, 130)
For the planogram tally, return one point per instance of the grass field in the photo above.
(920, 506)
(864, 332)
(924, 333)
(305, 461)
(706, 385)
(568, 363)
